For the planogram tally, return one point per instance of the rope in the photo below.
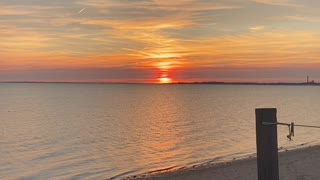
(307, 126)
(290, 126)
(287, 124)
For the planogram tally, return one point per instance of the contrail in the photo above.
(81, 10)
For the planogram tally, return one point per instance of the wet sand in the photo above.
(299, 164)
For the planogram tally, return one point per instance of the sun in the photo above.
(164, 69)
(165, 80)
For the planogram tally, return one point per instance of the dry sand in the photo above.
(300, 164)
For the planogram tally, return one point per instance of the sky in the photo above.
(152, 41)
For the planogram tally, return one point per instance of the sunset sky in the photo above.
(152, 41)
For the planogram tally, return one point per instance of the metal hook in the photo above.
(289, 136)
(291, 131)
(292, 128)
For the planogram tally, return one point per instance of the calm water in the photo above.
(92, 131)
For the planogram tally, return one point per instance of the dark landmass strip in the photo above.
(252, 83)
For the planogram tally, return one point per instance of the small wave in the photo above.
(123, 175)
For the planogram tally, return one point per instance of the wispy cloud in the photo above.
(289, 3)
(257, 28)
(308, 19)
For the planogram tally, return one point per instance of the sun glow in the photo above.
(163, 69)
(165, 80)
(164, 66)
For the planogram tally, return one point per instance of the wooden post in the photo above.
(267, 144)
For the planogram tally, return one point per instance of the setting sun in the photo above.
(165, 80)
(163, 68)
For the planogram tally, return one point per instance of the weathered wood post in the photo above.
(267, 144)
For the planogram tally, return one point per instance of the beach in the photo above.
(298, 164)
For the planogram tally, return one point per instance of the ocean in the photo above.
(103, 131)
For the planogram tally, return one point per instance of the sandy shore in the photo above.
(300, 164)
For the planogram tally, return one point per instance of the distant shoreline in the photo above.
(176, 83)
(251, 83)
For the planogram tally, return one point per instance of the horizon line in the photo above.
(182, 82)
